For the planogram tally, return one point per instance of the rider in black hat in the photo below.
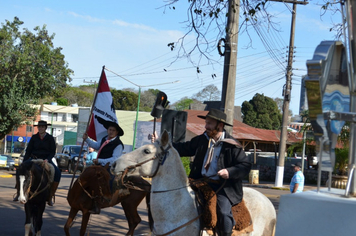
(221, 159)
(42, 146)
(110, 148)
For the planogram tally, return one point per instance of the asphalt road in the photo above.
(111, 221)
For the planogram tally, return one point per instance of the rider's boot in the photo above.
(17, 186)
(51, 198)
(96, 208)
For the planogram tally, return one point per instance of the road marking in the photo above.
(6, 176)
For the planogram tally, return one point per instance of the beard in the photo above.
(212, 133)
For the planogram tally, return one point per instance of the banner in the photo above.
(102, 110)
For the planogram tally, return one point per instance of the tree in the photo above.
(148, 99)
(261, 112)
(279, 102)
(30, 68)
(77, 95)
(205, 16)
(209, 93)
(183, 104)
(124, 100)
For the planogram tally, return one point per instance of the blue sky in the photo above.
(131, 37)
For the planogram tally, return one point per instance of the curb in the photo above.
(265, 186)
(5, 176)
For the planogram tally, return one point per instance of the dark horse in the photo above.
(34, 191)
(93, 184)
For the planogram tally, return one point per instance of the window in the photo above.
(28, 128)
(75, 117)
(15, 128)
(52, 116)
(64, 117)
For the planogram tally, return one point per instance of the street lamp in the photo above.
(138, 100)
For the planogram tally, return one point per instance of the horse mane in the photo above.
(91, 172)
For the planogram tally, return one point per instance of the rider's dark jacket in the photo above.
(41, 148)
(232, 158)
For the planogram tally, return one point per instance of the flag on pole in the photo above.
(102, 110)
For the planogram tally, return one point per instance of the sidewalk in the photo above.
(271, 185)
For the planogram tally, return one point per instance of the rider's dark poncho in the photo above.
(42, 148)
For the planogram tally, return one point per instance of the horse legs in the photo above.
(130, 205)
(37, 220)
(72, 213)
(85, 220)
(28, 224)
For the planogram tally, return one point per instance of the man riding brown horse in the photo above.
(110, 148)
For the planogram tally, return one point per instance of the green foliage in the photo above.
(261, 112)
(77, 95)
(186, 163)
(147, 99)
(62, 101)
(124, 100)
(342, 160)
(183, 104)
(30, 69)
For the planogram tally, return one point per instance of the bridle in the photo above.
(162, 156)
(38, 190)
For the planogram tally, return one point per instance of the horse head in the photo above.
(145, 160)
(32, 180)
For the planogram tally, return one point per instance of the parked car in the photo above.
(7, 162)
(18, 158)
(68, 158)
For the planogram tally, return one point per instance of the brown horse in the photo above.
(92, 184)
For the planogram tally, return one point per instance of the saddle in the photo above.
(47, 167)
(206, 199)
(121, 186)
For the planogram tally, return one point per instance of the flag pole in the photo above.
(86, 129)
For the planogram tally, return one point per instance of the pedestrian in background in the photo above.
(90, 156)
(297, 182)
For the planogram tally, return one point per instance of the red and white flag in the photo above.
(102, 110)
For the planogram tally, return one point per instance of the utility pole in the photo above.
(91, 82)
(286, 98)
(229, 77)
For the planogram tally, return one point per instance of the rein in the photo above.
(174, 230)
(89, 195)
(37, 191)
(162, 157)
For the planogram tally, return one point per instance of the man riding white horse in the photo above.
(221, 159)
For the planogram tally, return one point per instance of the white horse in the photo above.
(173, 205)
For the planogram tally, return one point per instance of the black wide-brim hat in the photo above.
(216, 115)
(108, 124)
(42, 123)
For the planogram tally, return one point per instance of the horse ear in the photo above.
(164, 138)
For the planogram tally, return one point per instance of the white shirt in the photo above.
(115, 154)
(213, 168)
